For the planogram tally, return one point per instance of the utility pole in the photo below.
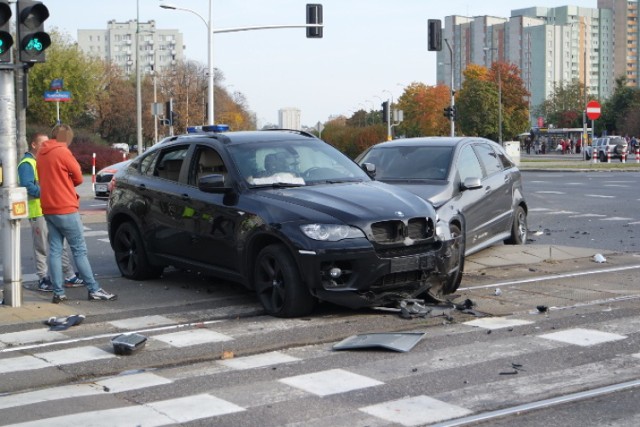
(452, 118)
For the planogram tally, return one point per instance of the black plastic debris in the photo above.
(63, 323)
(127, 344)
(516, 369)
(400, 341)
(411, 308)
(542, 308)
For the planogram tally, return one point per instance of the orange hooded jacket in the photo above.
(59, 174)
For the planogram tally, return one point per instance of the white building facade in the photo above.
(289, 118)
(158, 49)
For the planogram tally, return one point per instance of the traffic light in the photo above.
(435, 34)
(168, 112)
(453, 112)
(447, 112)
(314, 16)
(6, 41)
(385, 112)
(32, 38)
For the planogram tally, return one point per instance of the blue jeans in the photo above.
(68, 226)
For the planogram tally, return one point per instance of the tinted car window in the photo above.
(169, 163)
(468, 164)
(489, 159)
(295, 163)
(504, 159)
(148, 164)
(410, 162)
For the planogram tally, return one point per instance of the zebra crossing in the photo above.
(314, 385)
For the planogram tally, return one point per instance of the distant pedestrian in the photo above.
(28, 178)
(60, 173)
(536, 146)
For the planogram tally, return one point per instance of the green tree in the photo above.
(620, 112)
(423, 108)
(486, 91)
(563, 109)
(81, 76)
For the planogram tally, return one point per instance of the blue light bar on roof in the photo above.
(215, 128)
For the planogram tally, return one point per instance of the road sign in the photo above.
(593, 110)
(59, 96)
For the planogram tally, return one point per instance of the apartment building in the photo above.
(158, 49)
(550, 46)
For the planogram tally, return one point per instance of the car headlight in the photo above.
(331, 232)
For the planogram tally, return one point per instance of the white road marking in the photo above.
(588, 215)
(497, 322)
(103, 240)
(74, 355)
(95, 233)
(583, 337)
(561, 213)
(329, 382)
(414, 411)
(165, 412)
(22, 363)
(550, 192)
(142, 322)
(110, 385)
(258, 360)
(616, 218)
(599, 196)
(539, 210)
(30, 336)
(192, 337)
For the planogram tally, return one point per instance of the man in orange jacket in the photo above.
(59, 174)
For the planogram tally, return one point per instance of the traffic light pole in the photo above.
(10, 228)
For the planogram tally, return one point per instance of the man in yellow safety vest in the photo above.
(28, 177)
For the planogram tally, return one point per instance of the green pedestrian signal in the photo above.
(31, 35)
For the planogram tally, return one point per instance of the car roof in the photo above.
(241, 137)
(443, 141)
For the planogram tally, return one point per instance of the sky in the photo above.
(370, 51)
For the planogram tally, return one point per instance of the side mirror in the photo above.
(212, 184)
(370, 169)
(471, 184)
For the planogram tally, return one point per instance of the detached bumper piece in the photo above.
(391, 341)
(127, 344)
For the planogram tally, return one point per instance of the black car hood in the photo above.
(436, 194)
(350, 202)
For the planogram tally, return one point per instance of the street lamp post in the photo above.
(453, 92)
(209, 25)
(499, 94)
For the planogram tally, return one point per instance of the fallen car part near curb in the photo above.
(400, 341)
(127, 344)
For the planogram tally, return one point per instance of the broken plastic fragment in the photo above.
(63, 323)
(599, 258)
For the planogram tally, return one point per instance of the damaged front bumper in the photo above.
(367, 279)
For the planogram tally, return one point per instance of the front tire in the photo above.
(457, 251)
(278, 284)
(131, 255)
(519, 230)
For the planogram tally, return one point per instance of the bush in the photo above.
(83, 151)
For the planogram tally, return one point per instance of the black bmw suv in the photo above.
(280, 212)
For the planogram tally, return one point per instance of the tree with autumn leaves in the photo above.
(478, 102)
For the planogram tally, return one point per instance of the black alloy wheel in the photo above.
(131, 256)
(278, 284)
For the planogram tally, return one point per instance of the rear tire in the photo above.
(131, 255)
(519, 230)
(278, 284)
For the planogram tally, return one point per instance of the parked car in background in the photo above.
(281, 212)
(614, 146)
(102, 186)
(473, 184)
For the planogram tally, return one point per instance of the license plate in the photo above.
(405, 264)
(101, 188)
